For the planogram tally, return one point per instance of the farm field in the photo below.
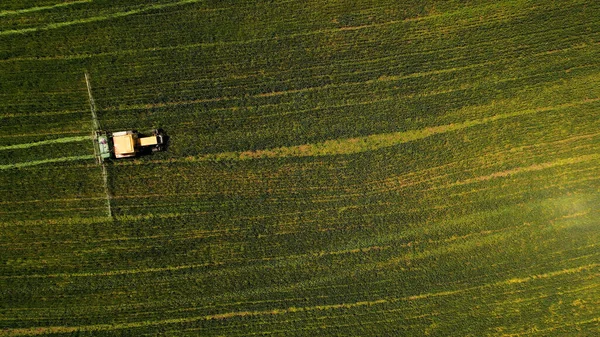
(335, 168)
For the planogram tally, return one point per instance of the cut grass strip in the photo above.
(45, 161)
(46, 142)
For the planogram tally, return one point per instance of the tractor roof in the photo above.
(124, 145)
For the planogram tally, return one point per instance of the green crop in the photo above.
(335, 168)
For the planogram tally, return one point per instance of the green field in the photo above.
(335, 168)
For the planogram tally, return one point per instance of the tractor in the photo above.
(125, 144)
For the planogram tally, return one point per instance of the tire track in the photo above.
(96, 18)
(46, 142)
(383, 78)
(355, 145)
(45, 161)
(470, 11)
(462, 242)
(415, 177)
(525, 169)
(53, 133)
(544, 332)
(41, 8)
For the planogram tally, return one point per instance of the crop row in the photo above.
(242, 30)
(220, 133)
(12, 156)
(397, 66)
(316, 185)
(282, 282)
(48, 182)
(252, 214)
(335, 122)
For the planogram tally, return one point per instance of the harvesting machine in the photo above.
(126, 144)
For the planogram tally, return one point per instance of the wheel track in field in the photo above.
(390, 78)
(382, 294)
(97, 18)
(46, 142)
(46, 161)
(40, 114)
(544, 332)
(522, 169)
(383, 313)
(390, 188)
(462, 242)
(291, 310)
(428, 174)
(62, 132)
(42, 8)
(374, 142)
(418, 74)
(371, 142)
(433, 174)
(399, 182)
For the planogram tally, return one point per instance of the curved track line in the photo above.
(525, 169)
(41, 8)
(96, 18)
(237, 42)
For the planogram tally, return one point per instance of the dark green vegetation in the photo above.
(364, 168)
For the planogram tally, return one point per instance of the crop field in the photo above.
(334, 168)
